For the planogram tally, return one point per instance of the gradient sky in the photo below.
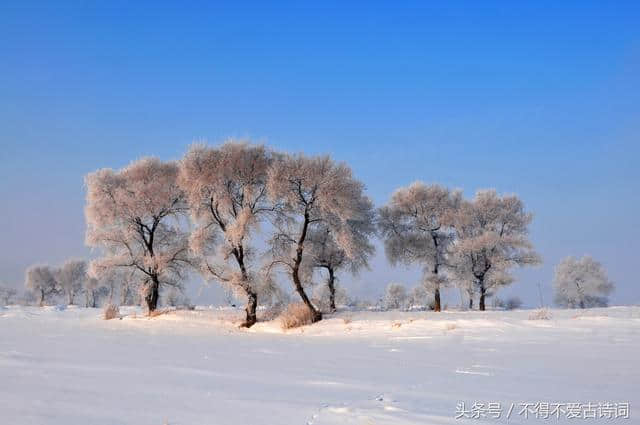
(537, 98)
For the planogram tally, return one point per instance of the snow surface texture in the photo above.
(69, 366)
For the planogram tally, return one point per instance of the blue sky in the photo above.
(537, 98)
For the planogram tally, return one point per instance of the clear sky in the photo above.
(537, 98)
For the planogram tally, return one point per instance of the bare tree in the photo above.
(41, 281)
(492, 239)
(327, 254)
(70, 277)
(310, 193)
(417, 227)
(226, 192)
(134, 215)
(581, 282)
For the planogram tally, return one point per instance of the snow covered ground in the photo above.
(69, 367)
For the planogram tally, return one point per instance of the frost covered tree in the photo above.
(327, 254)
(71, 276)
(134, 215)
(419, 297)
(581, 282)
(492, 239)
(6, 294)
(395, 296)
(226, 193)
(416, 226)
(41, 282)
(311, 193)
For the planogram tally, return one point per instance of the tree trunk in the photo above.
(436, 297)
(316, 315)
(252, 296)
(332, 290)
(483, 293)
(436, 293)
(151, 297)
(581, 294)
(41, 298)
(252, 304)
(470, 301)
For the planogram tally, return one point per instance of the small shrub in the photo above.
(111, 311)
(540, 314)
(296, 315)
(347, 319)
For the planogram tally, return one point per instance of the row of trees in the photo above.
(398, 297)
(71, 280)
(154, 222)
(318, 217)
(578, 283)
(473, 243)
(317, 213)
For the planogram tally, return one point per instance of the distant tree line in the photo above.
(74, 285)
